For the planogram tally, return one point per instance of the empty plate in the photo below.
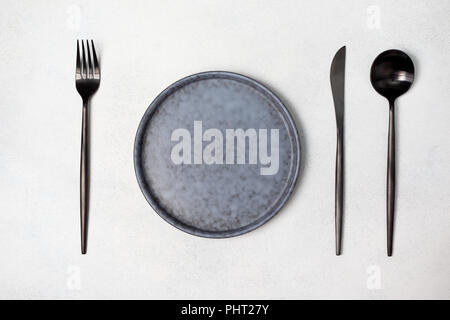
(217, 154)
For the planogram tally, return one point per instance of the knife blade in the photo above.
(337, 80)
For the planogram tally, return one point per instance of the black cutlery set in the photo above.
(391, 75)
(217, 154)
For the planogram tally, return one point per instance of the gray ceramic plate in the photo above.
(217, 154)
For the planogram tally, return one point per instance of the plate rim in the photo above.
(140, 133)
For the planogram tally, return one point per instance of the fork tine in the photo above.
(84, 65)
(90, 75)
(96, 66)
(78, 66)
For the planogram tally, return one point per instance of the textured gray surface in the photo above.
(289, 44)
(216, 200)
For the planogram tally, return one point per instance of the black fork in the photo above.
(87, 81)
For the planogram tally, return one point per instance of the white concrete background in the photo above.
(147, 45)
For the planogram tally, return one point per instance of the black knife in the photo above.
(337, 79)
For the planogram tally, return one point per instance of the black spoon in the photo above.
(392, 74)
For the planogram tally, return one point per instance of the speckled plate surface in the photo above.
(217, 154)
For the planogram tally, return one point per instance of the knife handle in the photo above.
(339, 190)
(390, 192)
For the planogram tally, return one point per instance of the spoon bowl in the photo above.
(392, 74)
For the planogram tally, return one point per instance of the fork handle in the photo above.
(84, 178)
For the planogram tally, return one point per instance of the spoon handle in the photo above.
(339, 190)
(391, 180)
